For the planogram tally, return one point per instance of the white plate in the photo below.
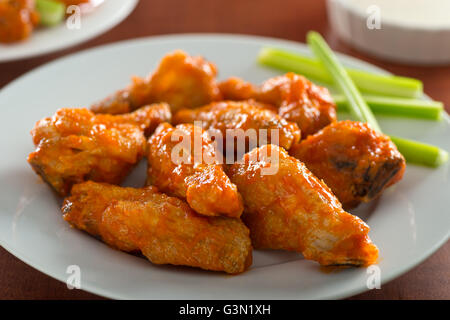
(45, 40)
(408, 224)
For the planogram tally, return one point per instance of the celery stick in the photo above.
(420, 153)
(51, 12)
(414, 152)
(287, 61)
(358, 107)
(367, 82)
(387, 85)
(412, 108)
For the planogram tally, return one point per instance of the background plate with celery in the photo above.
(54, 35)
(408, 223)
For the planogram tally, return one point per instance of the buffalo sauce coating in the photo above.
(147, 118)
(180, 80)
(75, 145)
(291, 209)
(197, 175)
(237, 89)
(226, 116)
(298, 100)
(355, 161)
(185, 81)
(17, 20)
(163, 228)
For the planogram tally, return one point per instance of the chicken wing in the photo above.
(146, 118)
(180, 80)
(163, 228)
(355, 161)
(17, 20)
(196, 175)
(236, 89)
(75, 145)
(290, 209)
(255, 122)
(298, 99)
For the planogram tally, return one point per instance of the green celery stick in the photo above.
(51, 12)
(358, 107)
(367, 82)
(412, 108)
(414, 152)
(420, 153)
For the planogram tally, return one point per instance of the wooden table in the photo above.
(289, 19)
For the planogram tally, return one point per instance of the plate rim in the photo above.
(129, 8)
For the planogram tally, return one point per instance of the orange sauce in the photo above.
(17, 20)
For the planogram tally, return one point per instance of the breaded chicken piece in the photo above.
(297, 99)
(163, 228)
(195, 175)
(242, 116)
(290, 209)
(146, 118)
(355, 161)
(184, 81)
(75, 145)
(180, 80)
(236, 89)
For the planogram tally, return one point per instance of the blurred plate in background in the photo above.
(45, 40)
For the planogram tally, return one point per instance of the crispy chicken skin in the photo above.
(75, 145)
(244, 115)
(184, 81)
(163, 228)
(197, 175)
(180, 80)
(297, 99)
(293, 210)
(355, 161)
(134, 96)
(146, 118)
(236, 89)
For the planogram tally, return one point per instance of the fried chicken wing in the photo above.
(355, 161)
(197, 175)
(256, 119)
(291, 209)
(76, 145)
(147, 118)
(17, 20)
(184, 81)
(163, 228)
(298, 99)
(180, 80)
(236, 89)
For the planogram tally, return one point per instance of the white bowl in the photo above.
(399, 39)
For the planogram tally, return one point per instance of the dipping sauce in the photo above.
(419, 13)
